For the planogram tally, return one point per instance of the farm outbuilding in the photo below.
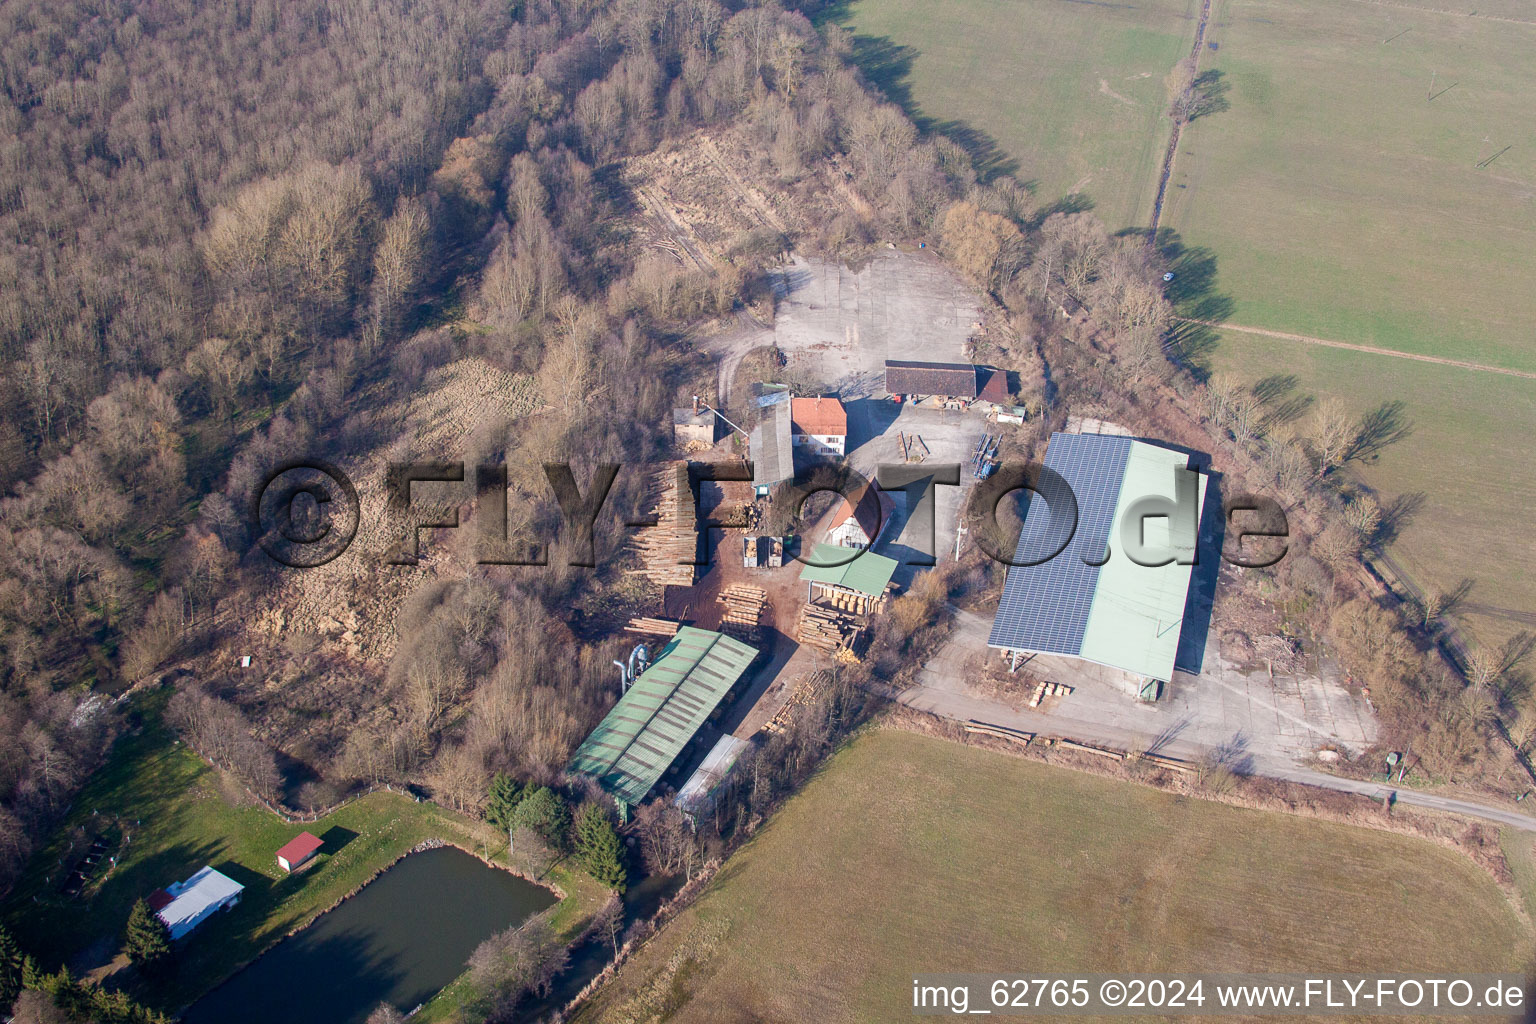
(659, 714)
(693, 425)
(859, 521)
(196, 900)
(1091, 601)
(772, 447)
(298, 851)
(948, 383)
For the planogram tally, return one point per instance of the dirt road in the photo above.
(1371, 349)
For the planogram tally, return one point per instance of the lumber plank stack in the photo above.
(851, 601)
(648, 626)
(667, 549)
(1044, 690)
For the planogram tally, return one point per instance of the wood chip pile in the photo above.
(666, 547)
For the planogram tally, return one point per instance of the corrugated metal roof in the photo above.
(1138, 610)
(208, 888)
(652, 723)
(864, 571)
(773, 452)
(1116, 613)
(711, 772)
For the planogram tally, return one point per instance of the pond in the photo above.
(399, 940)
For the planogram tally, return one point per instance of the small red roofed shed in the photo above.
(298, 850)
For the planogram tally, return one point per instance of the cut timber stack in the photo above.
(805, 692)
(830, 631)
(851, 601)
(652, 627)
(668, 548)
(1000, 731)
(744, 606)
(1045, 690)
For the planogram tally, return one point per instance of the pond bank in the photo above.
(399, 938)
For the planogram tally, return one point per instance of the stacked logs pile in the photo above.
(744, 606)
(647, 626)
(832, 632)
(668, 548)
(807, 690)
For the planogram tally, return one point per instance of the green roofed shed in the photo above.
(662, 710)
(863, 571)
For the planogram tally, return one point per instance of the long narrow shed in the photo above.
(651, 724)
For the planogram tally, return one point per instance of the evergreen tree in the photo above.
(147, 938)
(68, 994)
(31, 974)
(598, 846)
(542, 811)
(10, 971)
(502, 800)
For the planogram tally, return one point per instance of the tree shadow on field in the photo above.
(887, 65)
(1380, 428)
(1281, 399)
(1210, 90)
(1396, 516)
(1196, 302)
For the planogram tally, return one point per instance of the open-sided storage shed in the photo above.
(1092, 601)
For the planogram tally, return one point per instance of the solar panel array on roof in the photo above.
(663, 709)
(1085, 602)
(1045, 607)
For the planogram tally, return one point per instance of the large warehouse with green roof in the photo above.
(660, 712)
(1112, 612)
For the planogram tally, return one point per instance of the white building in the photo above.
(859, 522)
(197, 899)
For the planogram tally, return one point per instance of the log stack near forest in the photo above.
(807, 690)
(668, 549)
(648, 626)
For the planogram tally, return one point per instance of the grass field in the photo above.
(1469, 455)
(1341, 202)
(178, 815)
(1072, 92)
(910, 854)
